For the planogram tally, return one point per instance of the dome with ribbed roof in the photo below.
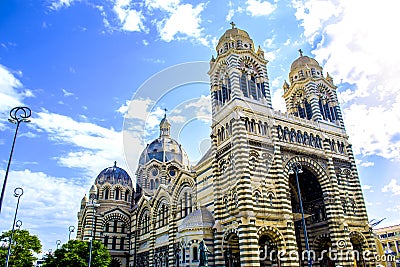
(201, 218)
(304, 67)
(114, 175)
(234, 38)
(304, 61)
(164, 148)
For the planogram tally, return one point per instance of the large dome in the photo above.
(164, 148)
(114, 175)
(234, 37)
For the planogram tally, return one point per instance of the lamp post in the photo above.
(70, 229)
(92, 199)
(18, 192)
(17, 115)
(58, 243)
(295, 168)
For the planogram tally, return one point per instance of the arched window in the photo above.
(186, 202)
(195, 254)
(106, 241)
(183, 255)
(123, 228)
(127, 195)
(156, 186)
(107, 227)
(106, 193)
(151, 184)
(115, 228)
(117, 193)
(114, 242)
(121, 245)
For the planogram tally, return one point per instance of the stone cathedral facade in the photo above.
(241, 199)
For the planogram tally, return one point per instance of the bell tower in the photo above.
(241, 101)
(310, 95)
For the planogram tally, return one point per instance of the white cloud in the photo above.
(12, 93)
(67, 93)
(45, 206)
(366, 187)
(61, 3)
(183, 23)
(360, 51)
(260, 8)
(130, 19)
(93, 146)
(167, 5)
(392, 187)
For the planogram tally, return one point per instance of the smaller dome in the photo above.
(114, 175)
(304, 61)
(201, 218)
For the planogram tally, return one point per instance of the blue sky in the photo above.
(78, 65)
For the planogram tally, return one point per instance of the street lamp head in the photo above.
(71, 228)
(18, 192)
(20, 114)
(18, 223)
(295, 167)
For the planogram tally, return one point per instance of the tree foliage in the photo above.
(22, 248)
(75, 253)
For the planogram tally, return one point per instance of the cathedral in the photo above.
(272, 187)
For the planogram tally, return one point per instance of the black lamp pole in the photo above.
(18, 192)
(17, 115)
(295, 168)
(70, 229)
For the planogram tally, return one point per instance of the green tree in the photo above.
(75, 253)
(22, 248)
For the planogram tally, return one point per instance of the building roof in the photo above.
(114, 175)
(200, 218)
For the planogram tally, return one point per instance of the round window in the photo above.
(172, 172)
(154, 172)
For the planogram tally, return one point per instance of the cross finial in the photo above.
(232, 24)
(115, 164)
(165, 112)
(301, 52)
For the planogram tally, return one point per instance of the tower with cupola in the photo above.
(105, 215)
(254, 148)
(311, 95)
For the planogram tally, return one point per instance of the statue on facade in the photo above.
(203, 254)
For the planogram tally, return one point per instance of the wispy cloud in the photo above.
(93, 146)
(45, 204)
(359, 52)
(259, 8)
(67, 93)
(392, 187)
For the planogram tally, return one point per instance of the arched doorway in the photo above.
(231, 251)
(268, 251)
(115, 263)
(357, 241)
(314, 211)
(323, 244)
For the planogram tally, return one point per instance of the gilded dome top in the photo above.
(236, 38)
(114, 175)
(304, 62)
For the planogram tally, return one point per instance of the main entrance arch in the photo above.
(313, 207)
